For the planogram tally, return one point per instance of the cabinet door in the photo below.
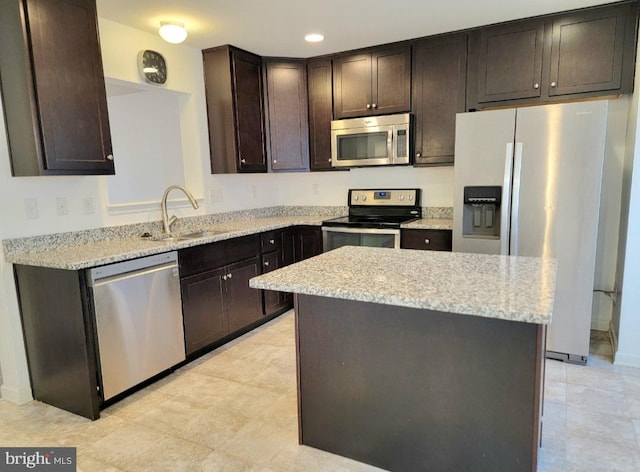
(439, 86)
(249, 112)
(510, 61)
(320, 113)
(203, 309)
(391, 80)
(244, 304)
(426, 239)
(55, 100)
(587, 51)
(288, 129)
(352, 86)
(308, 242)
(272, 300)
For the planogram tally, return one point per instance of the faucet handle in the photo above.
(172, 220)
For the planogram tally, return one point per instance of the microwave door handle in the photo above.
(391, 151)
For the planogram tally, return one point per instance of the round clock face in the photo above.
(152, 67)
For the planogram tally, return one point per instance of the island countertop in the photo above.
(502, 287)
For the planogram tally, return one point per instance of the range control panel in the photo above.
(390, 197)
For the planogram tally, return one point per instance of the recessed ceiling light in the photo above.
(314, 37)
(172, 31)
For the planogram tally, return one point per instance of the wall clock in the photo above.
(152, 67)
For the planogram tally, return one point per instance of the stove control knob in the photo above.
(401, 197)
(364, 197)
(410, 197)
(356, 198)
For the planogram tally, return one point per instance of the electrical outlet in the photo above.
(215, 195)
(31, 208)
(61, 206)
(87, 206)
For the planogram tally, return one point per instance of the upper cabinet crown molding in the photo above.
(53, 88)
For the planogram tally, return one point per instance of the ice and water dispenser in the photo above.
(481, 212)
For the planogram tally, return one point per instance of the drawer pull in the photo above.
(426, 241)
(266, 263)
(272, 241)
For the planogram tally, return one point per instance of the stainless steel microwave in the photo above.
(372, 141)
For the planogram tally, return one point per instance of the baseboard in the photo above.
(614, 338)
(19, 396)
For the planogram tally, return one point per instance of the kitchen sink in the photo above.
(182, 236)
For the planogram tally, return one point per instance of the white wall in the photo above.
(625, 323)
(120, 45)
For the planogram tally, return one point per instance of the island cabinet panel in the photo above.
(53, 88)
(439, 92)
(414, 389)
(588, 52)
(372, 83)
(319, 85)
(59, 335)
(235, 110)
(426, 239)
(287, 117)
(509, 61)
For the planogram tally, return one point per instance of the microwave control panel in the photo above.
(391, 197)
(401, 143)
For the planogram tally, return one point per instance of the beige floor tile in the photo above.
(555, 370)
(633, 406)
(595, 378)
(583, 423)
(597, 455)
(90, 464)
(259, 442)
(631, 385)
(554, 390)
(136, 404)
(594, 399)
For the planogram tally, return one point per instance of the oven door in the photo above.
(335, 237)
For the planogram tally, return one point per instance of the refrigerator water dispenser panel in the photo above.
(481, 212)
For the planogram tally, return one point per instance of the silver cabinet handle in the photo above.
(272, 241)
(418, 154)
(243, 161)
(426, 241)
(553, 84)
(536, 86)
(229, 276)
(275, 162)
(329, 159)
(374, 106)
(224, 277)
(266, 263)
(109, 157)
(368, 106)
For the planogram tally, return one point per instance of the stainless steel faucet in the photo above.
(166, 221)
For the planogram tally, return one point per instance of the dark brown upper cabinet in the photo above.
(319, 86)
(509, 61)
(588, 51)
(233, 89)
(373, 83)
(584, 53)
(287, 115)
(439, 91)
(53, 88)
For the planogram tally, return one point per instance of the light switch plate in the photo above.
(31, 208)
(61, 206)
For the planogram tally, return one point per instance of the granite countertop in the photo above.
(503, 287)
(429, 223)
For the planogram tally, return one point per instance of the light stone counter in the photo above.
(100, 252)
(429, 223)
(502, 287)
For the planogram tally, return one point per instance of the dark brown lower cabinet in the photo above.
(244, 304)
(307, 242)
(426, 239)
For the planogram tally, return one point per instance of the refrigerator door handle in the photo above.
(506, 200)
(515, 200)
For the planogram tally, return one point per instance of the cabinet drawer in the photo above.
(197, 259)
(427, 239)
(271, 241)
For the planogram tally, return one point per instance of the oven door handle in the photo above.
(336, 229)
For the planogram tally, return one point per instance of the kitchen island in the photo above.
(420, 360)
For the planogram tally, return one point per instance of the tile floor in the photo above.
(235, 409)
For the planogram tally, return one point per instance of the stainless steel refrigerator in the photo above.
(527, 183)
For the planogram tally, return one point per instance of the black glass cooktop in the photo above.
(369, 221)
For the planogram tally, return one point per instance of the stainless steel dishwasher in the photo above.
(138, 319)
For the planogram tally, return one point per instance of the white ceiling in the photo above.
(277, 27)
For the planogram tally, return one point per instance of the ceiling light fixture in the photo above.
(314, 37)
(172, 31)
